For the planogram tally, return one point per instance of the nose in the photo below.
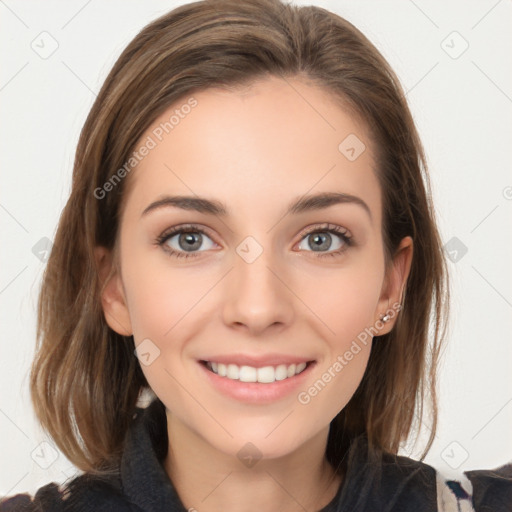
(258, 295)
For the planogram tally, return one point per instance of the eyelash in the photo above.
(191, 228)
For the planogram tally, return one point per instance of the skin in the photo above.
(255, 150)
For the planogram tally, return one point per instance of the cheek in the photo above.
(334, 384)
(164, 305)
(160, 298)
(347, 309)
(344, 300)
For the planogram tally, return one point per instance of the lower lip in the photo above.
(257, 392)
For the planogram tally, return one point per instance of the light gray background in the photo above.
(462, 105)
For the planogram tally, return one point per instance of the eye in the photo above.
(184, 241)
(321, 239)
(188, 239)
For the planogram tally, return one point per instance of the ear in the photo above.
(394, 284)
(113, 299)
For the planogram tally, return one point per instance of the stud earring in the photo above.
(387, 317)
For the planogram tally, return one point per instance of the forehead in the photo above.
(266, 142)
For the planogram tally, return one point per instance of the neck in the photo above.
(209, 480)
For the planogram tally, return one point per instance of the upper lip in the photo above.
(258, 361)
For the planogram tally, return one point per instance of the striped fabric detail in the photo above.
(454, 493)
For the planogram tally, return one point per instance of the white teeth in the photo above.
(266, 374)
(248, 374)
(300, 367)
(233, 372)
(281, 372)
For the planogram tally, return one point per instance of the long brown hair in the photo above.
(85, 381)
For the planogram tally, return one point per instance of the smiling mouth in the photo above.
(263, 375)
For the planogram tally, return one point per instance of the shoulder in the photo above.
(48, 497)
(492, 488)
(379, 480)
(415, 485)
(409, 483)
(454, 491)
(83, 493)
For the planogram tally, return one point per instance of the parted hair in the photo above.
(85, 380)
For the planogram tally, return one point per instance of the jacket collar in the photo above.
(144, 479)
(367, 486)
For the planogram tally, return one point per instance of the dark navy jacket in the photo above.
(142, 485)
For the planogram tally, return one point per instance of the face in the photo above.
(256, 285)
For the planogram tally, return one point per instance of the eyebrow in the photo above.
(302, 204)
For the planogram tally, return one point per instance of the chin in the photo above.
(259, 443)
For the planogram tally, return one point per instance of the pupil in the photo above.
(189, 239)
(320, 240)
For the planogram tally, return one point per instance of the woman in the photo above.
(250, 238)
